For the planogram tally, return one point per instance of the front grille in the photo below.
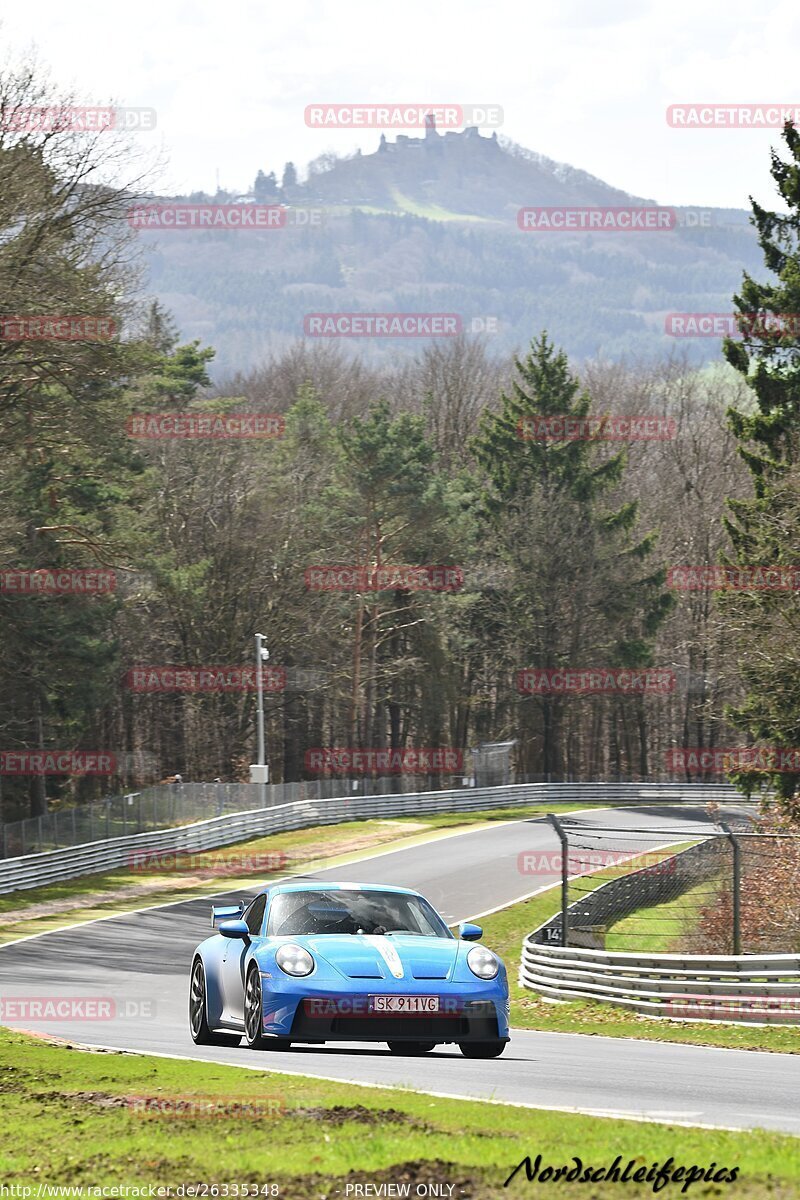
(393, 1028)
(418, 1028)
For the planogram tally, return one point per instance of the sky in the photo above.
(586, 82)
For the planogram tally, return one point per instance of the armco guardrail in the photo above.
(36, 870)
(744, 987)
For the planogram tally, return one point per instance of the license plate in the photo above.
(404, 1004)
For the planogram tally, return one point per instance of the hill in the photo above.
(429, 224)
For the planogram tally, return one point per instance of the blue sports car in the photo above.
(319, 962)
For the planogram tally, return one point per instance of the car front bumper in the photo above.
(466, 1013)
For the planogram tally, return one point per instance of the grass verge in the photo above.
(101, 1119)
(664, 928)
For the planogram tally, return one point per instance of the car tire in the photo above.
(411, 1047)
(482, 1049)
(198, 1014)
(253, 1021)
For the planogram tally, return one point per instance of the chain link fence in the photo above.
(168, 805)
(734, 892)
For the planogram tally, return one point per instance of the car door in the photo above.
(233, 959)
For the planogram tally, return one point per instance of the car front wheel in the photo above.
(254, 1017)
(482, 1049)
(198, 1017)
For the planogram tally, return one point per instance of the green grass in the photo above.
(89, 1119)
(434, 212)
(663, 928)
(91, 896)
(404, 205)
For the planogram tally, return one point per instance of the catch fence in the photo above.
(731, 892)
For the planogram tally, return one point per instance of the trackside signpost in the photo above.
(559, 828)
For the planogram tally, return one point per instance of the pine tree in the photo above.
(765, 528)
(578, 592)
(265, 188)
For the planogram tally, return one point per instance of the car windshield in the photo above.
(352, 911)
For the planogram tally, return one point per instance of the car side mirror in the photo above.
(469, 932)
(235, 929)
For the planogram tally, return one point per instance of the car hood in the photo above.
(363, 956)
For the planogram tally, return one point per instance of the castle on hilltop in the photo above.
(433, 140)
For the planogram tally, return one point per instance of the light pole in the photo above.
(259, 772)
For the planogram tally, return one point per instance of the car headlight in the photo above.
(482, 962)
(294, 960)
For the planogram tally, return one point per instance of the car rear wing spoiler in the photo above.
(226, 912)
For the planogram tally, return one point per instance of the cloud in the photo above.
(584, 82)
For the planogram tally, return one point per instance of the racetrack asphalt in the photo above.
(141, 962)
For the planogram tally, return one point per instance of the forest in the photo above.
(427, 573)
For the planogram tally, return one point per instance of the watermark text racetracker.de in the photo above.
(393, 324)
(57, 581)
(732, 116)
(56, 1007)
(208, 216)
(408, 1006)
(402, 116)
(348, 760)
(207, 863)
(720, 760)
(210, 679)
(714, 1008)
(137, 1191)
(167, 426)
(588, 681)
(220, 217)
(597, 219)
(73, 118)
(747, 326)
(720, 577)
(600, 427)
(53, 327)
(57, 762)
(208, 1106)
(357, 577)
(551, 864)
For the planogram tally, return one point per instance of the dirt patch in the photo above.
(52, 1039)
(340, 1114)
(96, 1099)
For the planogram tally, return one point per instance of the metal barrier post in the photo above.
(737, 888)
(562, 836)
